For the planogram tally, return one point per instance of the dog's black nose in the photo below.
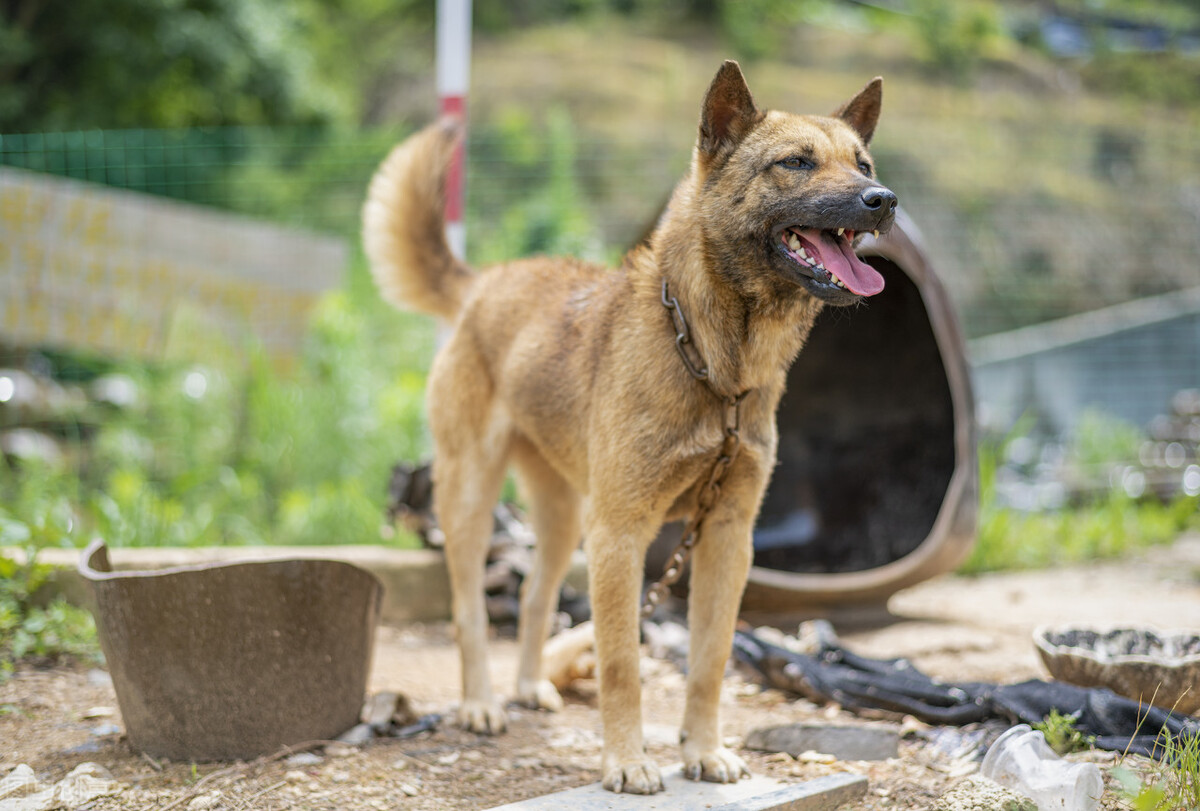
(877, 197)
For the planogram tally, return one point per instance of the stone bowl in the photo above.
(1144, 664)
(230, 661)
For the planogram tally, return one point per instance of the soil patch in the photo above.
(955, 628)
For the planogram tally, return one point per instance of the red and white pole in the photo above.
(453, 78)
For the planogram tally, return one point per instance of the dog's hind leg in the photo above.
(554, 510)
(472, 441)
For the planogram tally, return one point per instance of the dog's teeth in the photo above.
(876, 233)
(794, 243)
(841, 231)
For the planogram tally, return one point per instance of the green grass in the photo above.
(262, 456)
(1106, 524)
(1171, 784)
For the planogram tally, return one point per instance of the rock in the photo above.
(425, 723)
(99, 678)
(981, 793)
(104, 730)
(85, 748)
(818, 757)
(205, 801)
(666, 640)
(843, 741)
(303, 759)
(98, 712)
(356, 735)
(340, 750)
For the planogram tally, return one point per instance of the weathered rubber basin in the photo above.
(231, 661)
(876, 486)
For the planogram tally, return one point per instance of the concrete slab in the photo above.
(843, 741)
(757, 793)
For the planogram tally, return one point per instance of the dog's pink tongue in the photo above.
(838, 256)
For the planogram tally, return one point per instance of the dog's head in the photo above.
(794, 194)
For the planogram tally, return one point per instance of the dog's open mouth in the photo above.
(827, 256)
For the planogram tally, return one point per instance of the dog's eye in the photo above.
(796, 162)
(865, 168)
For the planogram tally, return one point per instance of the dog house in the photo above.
(876, 483)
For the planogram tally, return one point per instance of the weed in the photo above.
(1061, 734)
(1171, 785)
(1179, 772)
(29, 628)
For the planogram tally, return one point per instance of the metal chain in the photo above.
(711, 491)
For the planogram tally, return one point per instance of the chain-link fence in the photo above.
(218, 244)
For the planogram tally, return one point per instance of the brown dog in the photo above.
(569, 373)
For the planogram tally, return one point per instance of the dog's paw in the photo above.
(484, 717)
(716, 766)
(635, 777)
(539, 695)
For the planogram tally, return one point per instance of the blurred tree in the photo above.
(70, 64)
(955, 36)
(367, 49)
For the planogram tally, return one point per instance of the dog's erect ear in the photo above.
(862, 111)
(729, 112)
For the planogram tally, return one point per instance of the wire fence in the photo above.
(1027, 221)
(1028, 227)
(226, 252)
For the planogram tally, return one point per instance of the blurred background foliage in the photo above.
(1019, 135)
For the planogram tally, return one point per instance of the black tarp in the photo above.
(832, 673)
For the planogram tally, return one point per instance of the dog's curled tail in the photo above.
(404, 225)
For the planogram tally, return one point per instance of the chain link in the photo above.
(710, 492)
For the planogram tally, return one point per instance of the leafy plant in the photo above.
(1061, 734)
(30, 628)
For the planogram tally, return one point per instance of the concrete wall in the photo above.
(85, 266)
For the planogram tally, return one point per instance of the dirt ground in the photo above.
(954, 628)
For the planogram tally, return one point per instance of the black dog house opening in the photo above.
(866, 439)
(876, 484)
(875, 487)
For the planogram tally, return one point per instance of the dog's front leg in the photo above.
(615, 563)
(720, 564)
